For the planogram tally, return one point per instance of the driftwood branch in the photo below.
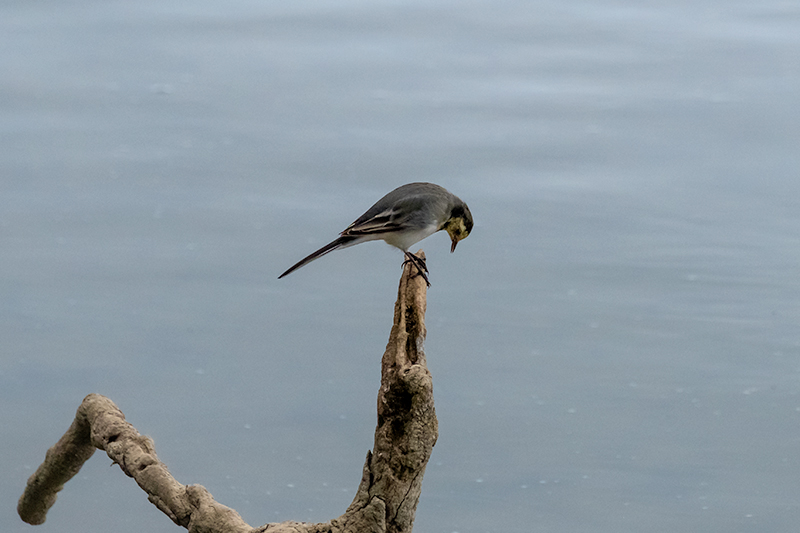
(386, 499)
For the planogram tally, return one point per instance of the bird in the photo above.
(402, 218)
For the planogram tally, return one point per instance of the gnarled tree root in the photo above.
(390, 487)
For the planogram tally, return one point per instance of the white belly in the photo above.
(407, 239)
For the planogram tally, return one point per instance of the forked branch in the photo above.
(386, 499)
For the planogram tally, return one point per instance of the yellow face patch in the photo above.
(457, 230)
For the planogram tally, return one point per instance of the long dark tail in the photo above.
(335, 245)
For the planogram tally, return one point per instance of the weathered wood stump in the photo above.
(386, 499)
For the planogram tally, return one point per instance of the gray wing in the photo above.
(397, 211)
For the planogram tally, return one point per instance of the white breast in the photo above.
(406, 239)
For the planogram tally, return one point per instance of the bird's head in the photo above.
(459, 224)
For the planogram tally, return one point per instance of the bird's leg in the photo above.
(419, 263)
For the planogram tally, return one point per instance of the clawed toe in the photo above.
(420, 265)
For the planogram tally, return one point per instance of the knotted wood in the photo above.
(386, 499)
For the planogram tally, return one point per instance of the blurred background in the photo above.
(615, 348)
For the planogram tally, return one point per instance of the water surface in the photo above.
(615, 348)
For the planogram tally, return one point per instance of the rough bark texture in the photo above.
(407, 428)
(391, 481)
(100, 424)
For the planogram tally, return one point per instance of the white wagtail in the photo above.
(402, 218)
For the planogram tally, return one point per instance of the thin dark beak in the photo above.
(453, 246)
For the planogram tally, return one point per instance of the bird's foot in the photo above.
(419, 263)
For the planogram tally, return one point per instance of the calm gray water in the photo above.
(615, 348)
